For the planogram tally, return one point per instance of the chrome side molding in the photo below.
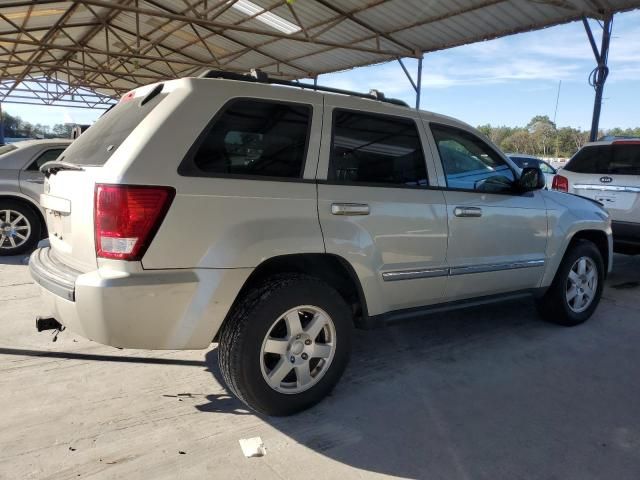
(464, 270)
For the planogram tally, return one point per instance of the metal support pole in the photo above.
(599, 75)
(1, 126)
(419, 82)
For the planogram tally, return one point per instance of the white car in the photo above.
(22, 222)
(609, 172)
(274, 219)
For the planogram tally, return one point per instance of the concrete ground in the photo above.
(487, 393)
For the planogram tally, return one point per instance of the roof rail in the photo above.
(258, 76)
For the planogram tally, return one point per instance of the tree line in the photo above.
(15, 127)
(542, 137)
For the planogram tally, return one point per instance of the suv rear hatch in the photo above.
(609, 174)
(71, 179)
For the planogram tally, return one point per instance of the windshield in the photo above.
(96, 145)
(6, 149)
(607, 159)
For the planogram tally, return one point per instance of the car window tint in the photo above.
(376, 149)
(625, 159)
(44, 157)
(256, 138)
(469, 163)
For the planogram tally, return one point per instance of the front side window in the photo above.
(376, 149)
(469, 163)
(44, 157)
(255, 138)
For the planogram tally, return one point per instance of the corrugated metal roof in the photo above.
(109, 47)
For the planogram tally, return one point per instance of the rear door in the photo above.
(375, 203)
(497, 237)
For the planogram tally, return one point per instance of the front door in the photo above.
(376, 207)
(497, 236)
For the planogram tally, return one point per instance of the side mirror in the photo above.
(530, 179)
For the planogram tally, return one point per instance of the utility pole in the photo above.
(555, 113)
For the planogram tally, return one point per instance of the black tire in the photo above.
(242, 335)
(554, 306)
(33, 220)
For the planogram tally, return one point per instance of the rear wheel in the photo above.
(19, 228)
(286, 344)
(577, 287)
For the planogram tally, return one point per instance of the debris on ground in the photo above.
(252, 447)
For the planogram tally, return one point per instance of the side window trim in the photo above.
(440, 166)
(188, 168)
(335, 110)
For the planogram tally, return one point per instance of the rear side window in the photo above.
(376, 149)
(621, 159)
(44, 157)
(96, 145)
(253, 138)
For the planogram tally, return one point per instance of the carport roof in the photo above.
(89, 51)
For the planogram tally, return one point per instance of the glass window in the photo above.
(369, 148)
(96, 145)
(546, 168)
(626, 159)
(469, 163)
(46, 156)
(618, 158)
(252, 137)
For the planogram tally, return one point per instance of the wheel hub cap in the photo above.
(15, 229)
(582, 284)
(298, 349)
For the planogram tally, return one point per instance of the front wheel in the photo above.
(286, 344)
(577, 287)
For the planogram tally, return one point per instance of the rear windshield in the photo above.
(6, 149)
(621, 159)
(523, 162)
(102, 139)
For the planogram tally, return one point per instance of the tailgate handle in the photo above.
(467, 212)
(349, 209)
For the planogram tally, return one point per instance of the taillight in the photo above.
(126, 218)
(560, 183)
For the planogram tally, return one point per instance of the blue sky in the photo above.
(503, 82)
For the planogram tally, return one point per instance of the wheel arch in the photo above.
(599, 238)
(332, 269)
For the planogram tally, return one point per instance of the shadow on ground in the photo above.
(488, 392)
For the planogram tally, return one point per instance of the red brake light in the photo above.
(126, 217)
(560, 183)
(127, 97)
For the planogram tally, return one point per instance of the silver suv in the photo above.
(21, 218)
(272, 219)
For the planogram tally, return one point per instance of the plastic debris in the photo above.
(252, 447)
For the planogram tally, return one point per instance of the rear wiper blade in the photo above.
(54, 167)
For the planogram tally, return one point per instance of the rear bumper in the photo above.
(153, 309)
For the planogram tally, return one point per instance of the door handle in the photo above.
(34, 181)
(467, 212)
(349, 209)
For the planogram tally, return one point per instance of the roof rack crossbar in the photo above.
(257, 76)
